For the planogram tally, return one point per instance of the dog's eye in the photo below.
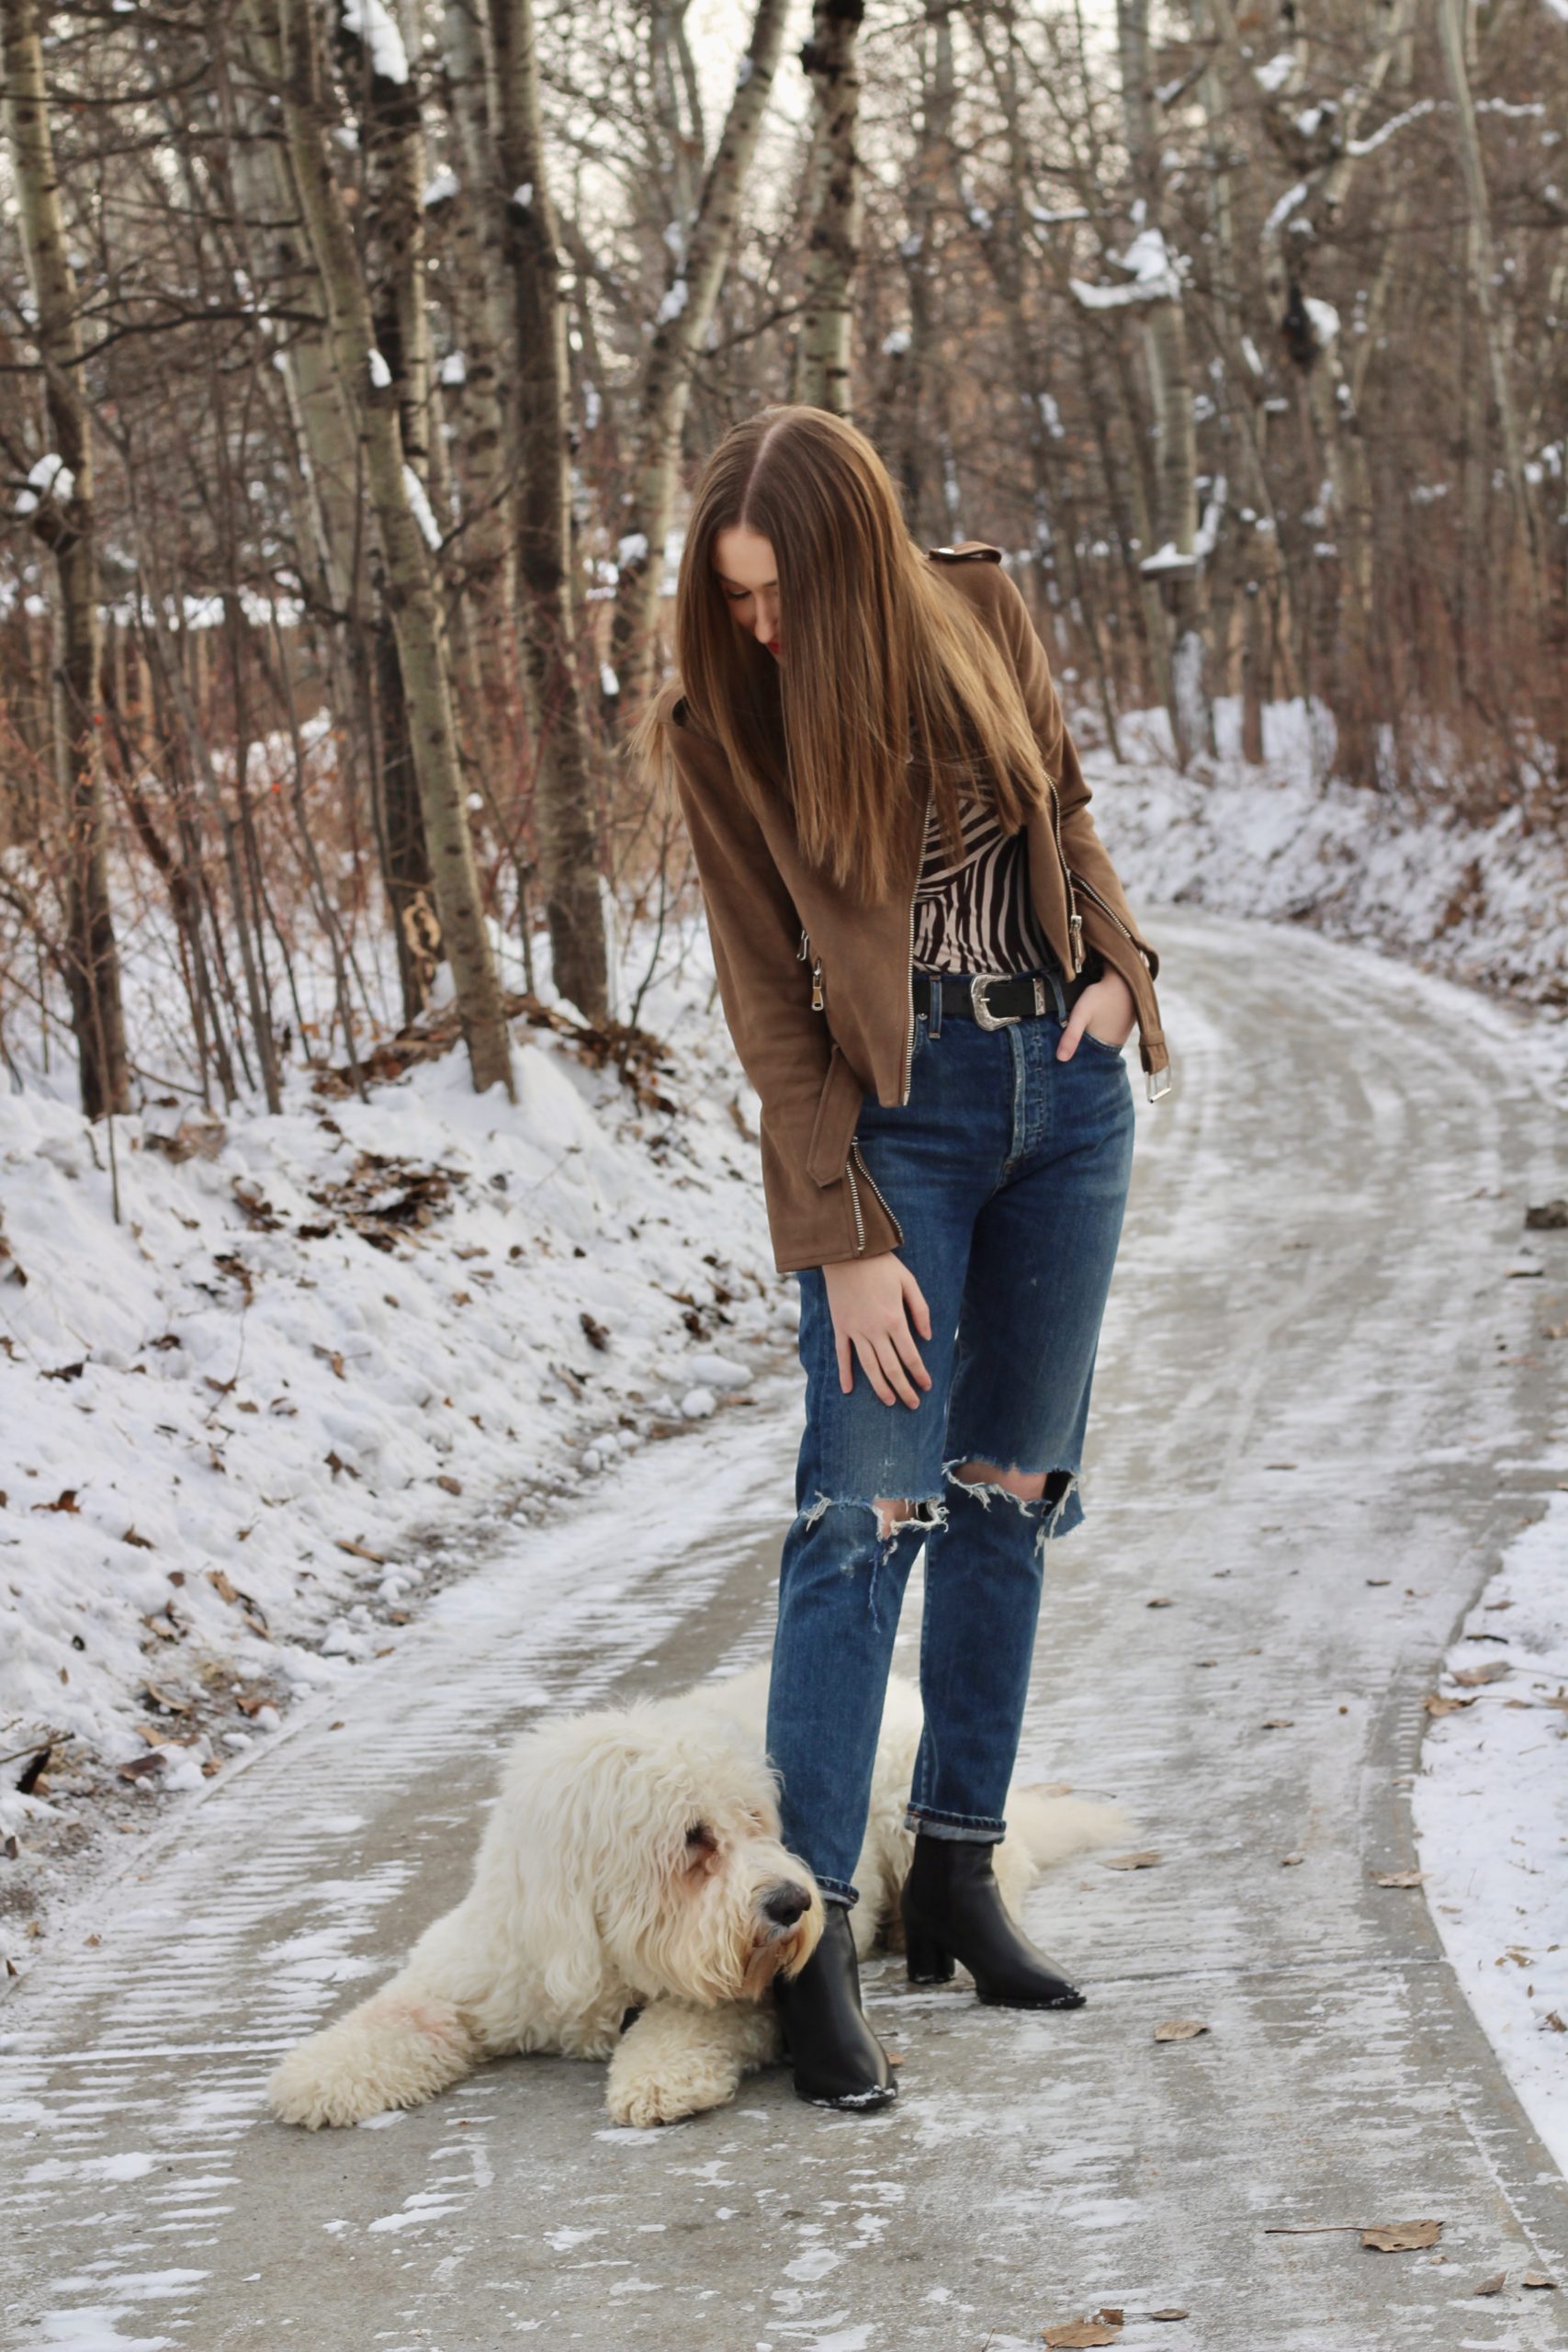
(700, 1840)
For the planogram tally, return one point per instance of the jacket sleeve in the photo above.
(1109, 924)
(782, 1045)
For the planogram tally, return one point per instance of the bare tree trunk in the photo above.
(62, 509)
(565, 802)
(369, 683)
(486, 308)
(830, 58)
(1177, 558)
(681, 324)
(411, 583)
(1483, 280)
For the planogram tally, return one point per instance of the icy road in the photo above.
(1322, 1413)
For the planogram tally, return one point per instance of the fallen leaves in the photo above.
(361, 1550)
(1074, 2333)
(1397, 1878)
(1437, 1704)
(1130, 1861)
(1402, 2238)
(1537, 2278)
(1179, 2029)
(142, 1542)
(1169, 2311)
(1492, 2286)
(1471, 1678)
(65, 1500)
(192, 1139)
(1280, 1723)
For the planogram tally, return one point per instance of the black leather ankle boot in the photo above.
(952, 1909)
(838, 2060)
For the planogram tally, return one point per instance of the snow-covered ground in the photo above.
(244, 1426)
(322, 1361)
(1491, 1808)
(1486, 904)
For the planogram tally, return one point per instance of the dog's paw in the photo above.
(646, 2100)
(391, 2052)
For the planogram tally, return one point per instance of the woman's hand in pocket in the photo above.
(874, 1300)
(1107, 1010)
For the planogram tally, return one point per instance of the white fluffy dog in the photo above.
(632, 1863)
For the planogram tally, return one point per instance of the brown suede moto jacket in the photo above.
(815, 989)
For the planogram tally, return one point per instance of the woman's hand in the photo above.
(1107, 1010)
(873, 1301)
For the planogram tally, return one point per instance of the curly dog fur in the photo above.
(632, 1861)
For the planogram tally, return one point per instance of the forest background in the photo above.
(356, 357)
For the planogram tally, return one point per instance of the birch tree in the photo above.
(702, 247)
(60, 500)
(829, 59)
(405, 529)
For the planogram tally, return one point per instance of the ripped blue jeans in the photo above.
(1007, 1172)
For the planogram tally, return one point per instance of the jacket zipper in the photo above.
(1074, 921)
(800, 954)
(854, 1198)
(881, 1195)
(1089, 891)
(909, 965)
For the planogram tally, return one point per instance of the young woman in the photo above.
(928, 970)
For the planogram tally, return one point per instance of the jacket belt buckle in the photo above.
(983, 1013)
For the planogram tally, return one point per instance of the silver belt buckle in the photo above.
(983, 1013)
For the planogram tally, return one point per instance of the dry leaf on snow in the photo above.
(1131, 1862)
(1537, 2278)
(1402, 2238)
(1179, 2029)
(1471, 1677)
(1492, 2286)
(1396, 1878)
(1075, 2332)
(1435, 1704)
(1169, 2311)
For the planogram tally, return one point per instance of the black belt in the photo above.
(991, 998)
(995, 998)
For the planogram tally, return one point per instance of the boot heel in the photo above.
(926, 1961)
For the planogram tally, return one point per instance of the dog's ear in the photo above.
(554, 1818)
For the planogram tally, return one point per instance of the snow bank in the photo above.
(321, 1354)
(1486, 904)
(1491, 1808)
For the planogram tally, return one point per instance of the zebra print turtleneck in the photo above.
(977, 915)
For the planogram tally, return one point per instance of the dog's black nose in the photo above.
(784, 1905)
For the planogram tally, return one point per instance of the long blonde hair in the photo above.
(882, 654)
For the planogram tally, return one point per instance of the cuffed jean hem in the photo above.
(956, 1826)
(833, 1890)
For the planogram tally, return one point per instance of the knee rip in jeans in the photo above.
(1059, 1488)
(892, 1517)
(890, 1520)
